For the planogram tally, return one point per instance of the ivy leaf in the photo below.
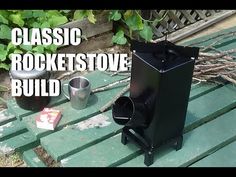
(26, 47)
(45, 25)
(119, 38)
(146, 33)
(56, 20)
(38, 49)
(26, 14)
(5, 32)
(52, 13)
(79, 14)
(3, 20)
(114, 15)
(18, 51)
(91, 16)
(4, 66)
(36, 25)
(3, 52)
(52, 48)
(134, 22)
(38, 13)
(17, 19)
(10, 47)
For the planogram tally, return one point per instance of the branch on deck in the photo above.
(109, 104)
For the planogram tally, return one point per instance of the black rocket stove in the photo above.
(154, 114)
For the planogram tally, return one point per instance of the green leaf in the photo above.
(134, 21)
(52, 48)
(4, 66)
(119, 38)
(3, 20)
(114, 15)
(52, 13)
(38, 49)
(91, 16)
(55, 20)
(26, 47)
(38, 13)
(45, 25)
(26, 14)
(18, 51)
(10, 46)
(79, 14)
(3, 52)
(146, 33)
(17, 19)
(5, 32)
(36, 25)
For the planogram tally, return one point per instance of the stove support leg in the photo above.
(124, 138)
(179, 143)
(149, 157)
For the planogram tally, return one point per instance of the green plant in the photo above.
(29, 19)
(132, 24)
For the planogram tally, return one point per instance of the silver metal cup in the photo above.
(79, 89)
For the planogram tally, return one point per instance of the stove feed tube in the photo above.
(130, 112)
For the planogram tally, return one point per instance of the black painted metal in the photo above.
(155, 111)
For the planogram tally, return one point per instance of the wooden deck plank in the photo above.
(32, 159)
(224, 157)
(197, 143)
(51, 142)
(79, 136)
(6, 116)
(70, 115)
(94, 77)
(20, 142)
(11, 129)
(201, 89)
(207, 107)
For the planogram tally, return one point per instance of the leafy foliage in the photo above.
(131, 19)
(28, 19)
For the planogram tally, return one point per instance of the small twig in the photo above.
(228, 79)
(109, 104)
(67, 74)
(106, 87)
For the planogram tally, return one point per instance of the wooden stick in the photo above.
(109, 104)
(106, 87)
(229, 79)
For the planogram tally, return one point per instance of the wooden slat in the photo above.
(20, 113)
(188, 16)
(199, 110)
(198, 26)
(74, 139)
(175, 18)
(32, 159)
(20, 142)
(89, 29)
(6, 116)
(99, 42)
(162, 22)
(70, 115)
(208, 107)
(201, 14)
(11, 129)
(222, 158)
(66, 136)
(197, 143)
